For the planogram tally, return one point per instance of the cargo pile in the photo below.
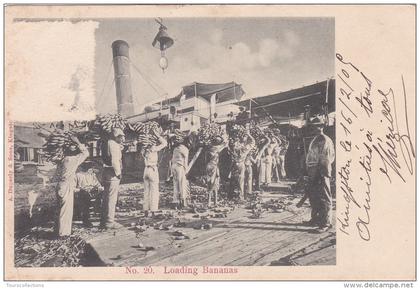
(36, 251)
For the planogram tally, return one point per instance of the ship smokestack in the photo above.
(122, 77)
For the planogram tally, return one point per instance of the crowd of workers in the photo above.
(249, 172)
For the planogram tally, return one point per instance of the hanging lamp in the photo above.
(162, 41)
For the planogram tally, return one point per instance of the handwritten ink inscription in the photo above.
(376, 141)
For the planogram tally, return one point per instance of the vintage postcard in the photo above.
(210, 142)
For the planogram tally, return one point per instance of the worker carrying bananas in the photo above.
(266, 165)
(319, 159)
(212, 168)
(74, 155)
(149, 151)
(179, 168)
(112, 159)
(239, 151)
(251, 160)
(280, 155)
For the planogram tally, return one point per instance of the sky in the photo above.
(265, 55)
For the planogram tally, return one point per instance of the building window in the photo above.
(187, 109)
(30, 155)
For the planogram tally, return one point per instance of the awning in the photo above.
(224, 92)
(291, 103)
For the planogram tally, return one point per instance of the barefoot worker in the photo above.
(252, 159)
(74, 155)
(239, 150)
(212, 168)
(179, 168)
(267, 163)
(151, 173)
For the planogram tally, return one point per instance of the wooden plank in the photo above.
(235, 240)
(251, 246)
(324, 256)
(290, 246)
(206, 240)
(220, 251)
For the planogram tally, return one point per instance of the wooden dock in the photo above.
(275, 238)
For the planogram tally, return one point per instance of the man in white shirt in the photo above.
(75, 155)
(266, 168)
(320, 156)
(179, 169)
(253, 158)
(112, 158)
(151, 173)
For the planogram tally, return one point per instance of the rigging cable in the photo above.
(105, 83)
(155, 87)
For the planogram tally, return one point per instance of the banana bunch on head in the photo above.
(178, 137)
(104, 124)
(237, 132)
(209, 132)
(273, 132)
(147, 133)
(257, 134)
(57, 143)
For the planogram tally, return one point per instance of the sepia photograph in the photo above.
(213, 144)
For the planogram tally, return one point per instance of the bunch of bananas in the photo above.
(136, 127)
(104, 124)
(147, 127)
(237, 132)
(272, 132)
(146, 132)
(207, 133)
(258, 135)
(178, 136)
(56, 145)
(236, 135)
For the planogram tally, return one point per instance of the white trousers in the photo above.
(65, 198)
(180, 183)
(266, 170)
(151, 189)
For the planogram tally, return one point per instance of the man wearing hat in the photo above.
(319, 159)
(112, 158)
